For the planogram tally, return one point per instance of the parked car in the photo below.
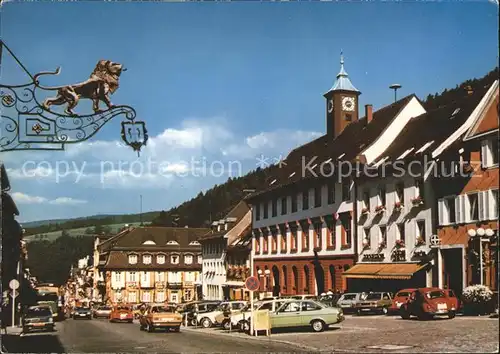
(82, 312)
(425, 303)
(38, 318)
(399, 299)
(197, 309)
(347, 301)
(208, 319)
(374, 302)
(121, 313)
(452, 296)
(241, 319)
(303, 297)
(102, 312)
(160, 316)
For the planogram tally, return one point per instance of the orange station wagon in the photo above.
(425, 303)
(121, 313)
(160, 316)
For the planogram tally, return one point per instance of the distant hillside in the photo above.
(38, 223)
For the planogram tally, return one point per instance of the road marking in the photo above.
(389, 347)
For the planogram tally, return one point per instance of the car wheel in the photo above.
(384, 310)
(149, 328)
(205, 322)
(359, 312)
(226, 325)
(318, 326)
(405, 315)
(193, 322)
(244, 325)
(451, 315)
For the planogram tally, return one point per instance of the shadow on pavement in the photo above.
(32, 343)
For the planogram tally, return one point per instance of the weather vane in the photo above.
(27, 124)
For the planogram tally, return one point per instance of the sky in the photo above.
(222, 87)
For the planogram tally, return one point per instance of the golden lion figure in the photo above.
(102, 82)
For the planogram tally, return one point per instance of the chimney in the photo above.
(368, 113)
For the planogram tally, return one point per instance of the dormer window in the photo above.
(274, 207)
(266, 213)
(132, 259)
(188, 259)
(149, 242)
(489, 152)
(305, 200)
(146, 259)
(160, 259)
(174, 259)
(194, 243)
(172, 243)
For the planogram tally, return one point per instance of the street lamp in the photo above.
(29, 123)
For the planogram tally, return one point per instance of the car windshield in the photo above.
(403, 294)
(163, 309)
(373, 296)
(83, 309)
(104, 308)
(434, 294)
(350, 297)
(39, 312)
(124, 308)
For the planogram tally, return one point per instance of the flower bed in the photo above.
(477, 300)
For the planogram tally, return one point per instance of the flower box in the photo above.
(400, 244)
(365, 211)
(417, 201)
(420, 241)
(366, 244)
(380, 209)
(382, 245)
(398, 206)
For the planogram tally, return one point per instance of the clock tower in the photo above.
(341, 103)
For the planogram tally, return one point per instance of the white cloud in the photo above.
(22, 198)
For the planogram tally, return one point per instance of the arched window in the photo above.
(285, 279)
(307, 281)
(295, 279)
(332, 277)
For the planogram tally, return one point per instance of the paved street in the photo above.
(357, 334)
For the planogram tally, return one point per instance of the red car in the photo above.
(121, 313)
(399, 299)
(426, 303)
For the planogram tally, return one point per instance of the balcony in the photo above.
(188, 283)
(132, 284)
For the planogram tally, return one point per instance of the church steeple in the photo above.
(341, 103)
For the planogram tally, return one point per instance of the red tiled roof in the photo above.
(238, 212)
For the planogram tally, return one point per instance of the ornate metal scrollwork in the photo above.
(27, 124)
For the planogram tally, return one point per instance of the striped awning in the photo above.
(399, 271)
(234, 283)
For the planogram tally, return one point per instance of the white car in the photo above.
(240, 319)
(209, 319)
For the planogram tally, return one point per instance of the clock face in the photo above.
(348, 104)
(330, 106)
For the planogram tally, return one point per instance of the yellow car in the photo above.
(160, 316)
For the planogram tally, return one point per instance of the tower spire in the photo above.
(343, 83)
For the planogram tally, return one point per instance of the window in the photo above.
(132, 259)
(174, 259)
(401, 233)
(266, 214)
(160, 296)
(189, 276)
(283, 205)
(489, 152)
(294, 203)
(132, 297)
(160, 276)
(367, 239)
(494, 204)
(310, 306)
(348, 117)
(305, 200)
(160, 259)
(257, 212)
(146, 296)
(317, 197)
(421, 231)
(419, 187)
(146, 259)
(331, 193)
(346, 190)
(131, 277)
(200, 259)
(118, 277)
(381, 195)
(446, 211)
(274, 207)
(383, 235)
(366, 200)
(400, 192)
(332, 227)
(473, 207)
(283, 241)
(293, 232)
(305, 238)
(318, 229)
(345, 219)
(274, 239)
(188, 259)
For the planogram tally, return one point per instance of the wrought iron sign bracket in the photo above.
(26, 123)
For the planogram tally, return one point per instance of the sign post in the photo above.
(252, 284)
(14, 285)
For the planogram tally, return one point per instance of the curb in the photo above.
(260, 339)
